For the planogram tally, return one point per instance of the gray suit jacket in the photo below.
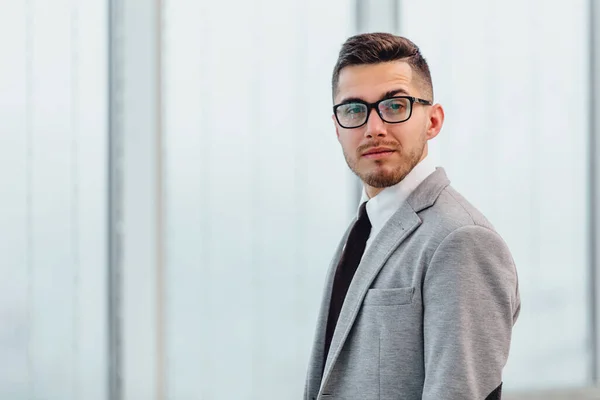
(430, 311)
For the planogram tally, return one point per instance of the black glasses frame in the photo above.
(375, 106)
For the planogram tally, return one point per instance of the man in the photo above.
(422, 293)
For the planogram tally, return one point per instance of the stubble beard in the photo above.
(383, 177)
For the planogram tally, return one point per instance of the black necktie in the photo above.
(353, 252)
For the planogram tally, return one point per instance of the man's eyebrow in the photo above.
(387, 95)
(352, 100)
(395, 92)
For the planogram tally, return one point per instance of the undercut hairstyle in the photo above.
(375, 48)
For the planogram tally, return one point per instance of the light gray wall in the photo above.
(513, 77)
(53, 199)
(257, 191)
(594, 72)
(137, 130)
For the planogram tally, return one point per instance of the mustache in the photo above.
(364, 147)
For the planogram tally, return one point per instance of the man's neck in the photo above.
(372, 191)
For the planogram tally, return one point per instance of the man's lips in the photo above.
(378, 152)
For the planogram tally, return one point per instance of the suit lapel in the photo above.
(394, 232)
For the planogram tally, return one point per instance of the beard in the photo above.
(383, 175)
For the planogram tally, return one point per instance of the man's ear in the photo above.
(436, 120)
(337, 132)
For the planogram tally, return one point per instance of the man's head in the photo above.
(382, 68)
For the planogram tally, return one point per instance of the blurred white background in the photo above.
(172, 189)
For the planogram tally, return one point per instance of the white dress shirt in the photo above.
(382, 206)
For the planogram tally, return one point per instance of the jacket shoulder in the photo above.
(452, 211)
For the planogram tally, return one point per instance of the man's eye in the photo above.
(353, 109)
(396, 105)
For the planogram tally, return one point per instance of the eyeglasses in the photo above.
(392, 110)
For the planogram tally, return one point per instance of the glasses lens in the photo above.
(351, 115)
(395, 110)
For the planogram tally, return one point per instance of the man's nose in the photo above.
(375, 125)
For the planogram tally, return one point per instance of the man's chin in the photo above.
(381, 181)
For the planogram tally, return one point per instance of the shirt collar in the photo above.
(382, 206)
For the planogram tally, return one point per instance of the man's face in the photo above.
(379, 153)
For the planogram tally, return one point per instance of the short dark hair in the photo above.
(375, 48)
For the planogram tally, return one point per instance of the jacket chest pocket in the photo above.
(389, 297)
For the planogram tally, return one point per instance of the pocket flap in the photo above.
(389, 297)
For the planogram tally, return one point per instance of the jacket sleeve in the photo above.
(471, 301)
